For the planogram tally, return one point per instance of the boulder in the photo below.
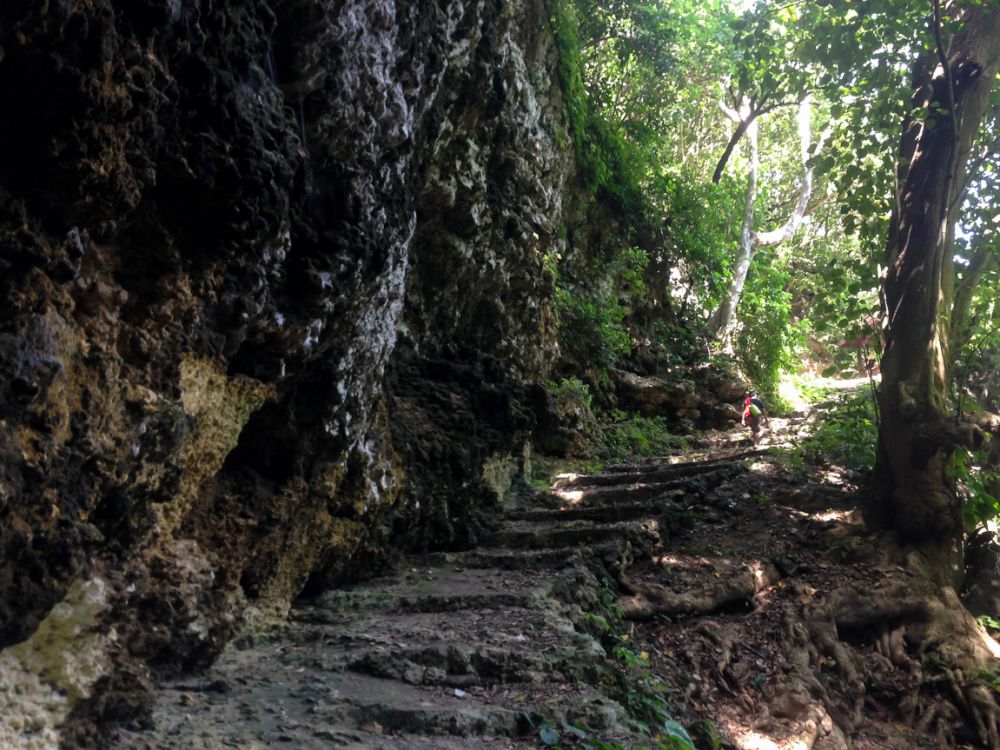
(725, 387)
(564, 424)
(724, 415)
(651, 396)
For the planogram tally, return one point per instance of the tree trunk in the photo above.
(722, 320)
(913, 492)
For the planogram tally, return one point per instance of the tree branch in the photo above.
(980, 262)
(777, 236)
(756, 109)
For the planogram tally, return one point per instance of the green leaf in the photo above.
(675, 730)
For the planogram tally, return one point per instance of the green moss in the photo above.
(600, 152)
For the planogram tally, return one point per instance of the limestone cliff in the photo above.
(272, 297)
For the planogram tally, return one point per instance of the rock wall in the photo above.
(271, 295)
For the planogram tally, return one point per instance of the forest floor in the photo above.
(696, 588)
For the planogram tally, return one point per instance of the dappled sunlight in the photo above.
(757, 568)
(685, 561)
(790, 392)
(751, 739)
(991, 645)
(567, 476)
(841, 516)
(570, 497)
(834, 475)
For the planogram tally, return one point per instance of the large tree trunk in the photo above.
(913, 492)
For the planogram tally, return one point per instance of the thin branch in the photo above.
(984, 256)
(782, 233)
(756, 109)
(949, 85)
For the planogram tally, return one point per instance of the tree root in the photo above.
(648, 600)
(887, 651)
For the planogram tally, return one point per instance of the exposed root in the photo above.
(648, 600)
(839, 659)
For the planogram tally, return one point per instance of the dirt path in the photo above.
(676, 582)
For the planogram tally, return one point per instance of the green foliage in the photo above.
(641, 85)
(977, 366)
(846, 435)
(766, 337)
(572, 389)
(600, 152)
(700, 242)
(975, 478)
(988, 677)
(834, 288)
(592, 310)
(644, 693)
(591, 331)
(985, 621)
(629, 436)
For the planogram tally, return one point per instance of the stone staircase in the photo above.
(477, 649)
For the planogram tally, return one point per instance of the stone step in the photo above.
(431, 590)
(636, 492)
(286, 708)
(606, 513)
(455, 665)
(397, 707)
(554, 534)
(652, 474)
(501, 558)
(309, 736)
(453, 649)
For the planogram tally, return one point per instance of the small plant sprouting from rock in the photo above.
(643, 693)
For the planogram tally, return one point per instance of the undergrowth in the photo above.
(629, 436)
(975, 478)
(640, 690)
(845, 436)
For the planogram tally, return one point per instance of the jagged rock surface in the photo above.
(272, 293)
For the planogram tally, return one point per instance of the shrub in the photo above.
(633, 436)
(846, 436)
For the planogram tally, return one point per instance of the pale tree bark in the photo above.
(984, 255)
(913, 491)
(722, 321)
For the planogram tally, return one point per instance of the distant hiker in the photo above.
(753, 415)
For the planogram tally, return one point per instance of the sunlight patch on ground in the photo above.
(752, 740)
(991, 645)
(762, 467)
(791, 394)
(757, 568)
(562, 479)
(799, 390)
(842, 516)
(571, 497)
(834, 476)
(687, 562)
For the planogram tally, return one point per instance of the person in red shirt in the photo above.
(753, 415)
